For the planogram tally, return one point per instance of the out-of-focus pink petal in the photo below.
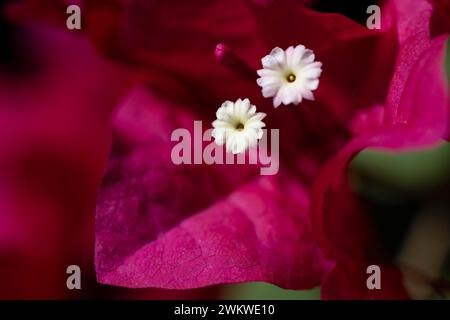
(418, 99)
(55, 138)
(425, 98)
(367, 120)
(412, 17)
(419, 50)
(163, 225)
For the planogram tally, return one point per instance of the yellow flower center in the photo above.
(291, 77)
(239, 126)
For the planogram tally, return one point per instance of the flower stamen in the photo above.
(291, 78)
(240, 126)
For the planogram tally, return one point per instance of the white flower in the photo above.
(238, 125)
(289, 76)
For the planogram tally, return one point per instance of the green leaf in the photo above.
(415, 170)
(265, 291)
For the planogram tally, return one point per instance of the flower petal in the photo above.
(163, 225)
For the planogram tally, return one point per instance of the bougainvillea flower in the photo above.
(159, 224)
(183, 226)
(416, 114)
(171, 226)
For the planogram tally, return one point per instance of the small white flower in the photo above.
(238, 125)
(289, 76)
